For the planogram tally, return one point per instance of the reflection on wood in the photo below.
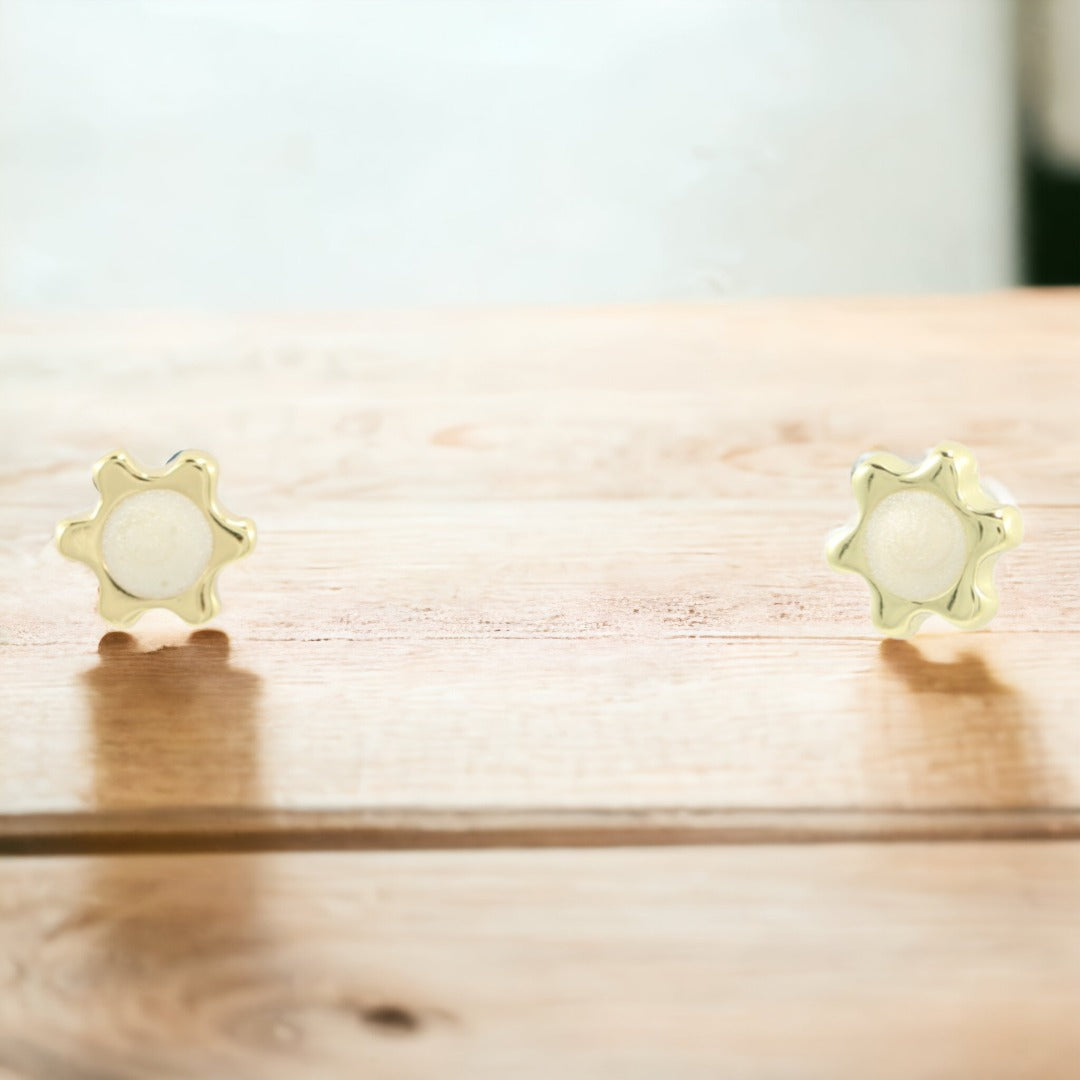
(946, 728)
(177, 726)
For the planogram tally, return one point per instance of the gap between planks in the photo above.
(183, 831)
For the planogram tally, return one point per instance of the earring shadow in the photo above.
(176, 727)
(173, 729)
(949, 733)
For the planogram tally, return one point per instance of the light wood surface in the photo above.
(545, 590)
(886, 961)
(544, 563)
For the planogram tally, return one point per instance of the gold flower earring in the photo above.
(157, 539)
(926, 538)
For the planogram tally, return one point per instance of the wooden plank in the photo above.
(539, 727)
(901, 961)
(319, 412)
(618, 569)
(539, 566)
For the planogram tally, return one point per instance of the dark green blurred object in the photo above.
(1051, 223)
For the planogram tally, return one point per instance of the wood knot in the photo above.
(391, 1018)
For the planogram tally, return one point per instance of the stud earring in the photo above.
(157, 539)
(926, 538)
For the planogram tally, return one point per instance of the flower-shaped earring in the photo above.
(926, 538)
(156, 539)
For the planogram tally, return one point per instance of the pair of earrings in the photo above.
(926, 538)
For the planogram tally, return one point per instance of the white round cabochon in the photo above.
(156, 544)
(915, 545)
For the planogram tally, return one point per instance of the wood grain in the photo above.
(673, 401)
(549, 570)
(642, 569)
(901, 961)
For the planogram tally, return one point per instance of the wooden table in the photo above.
(536, 738)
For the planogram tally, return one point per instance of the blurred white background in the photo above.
(269, 153)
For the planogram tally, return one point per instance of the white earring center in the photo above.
(156, 544)
(915, 545)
